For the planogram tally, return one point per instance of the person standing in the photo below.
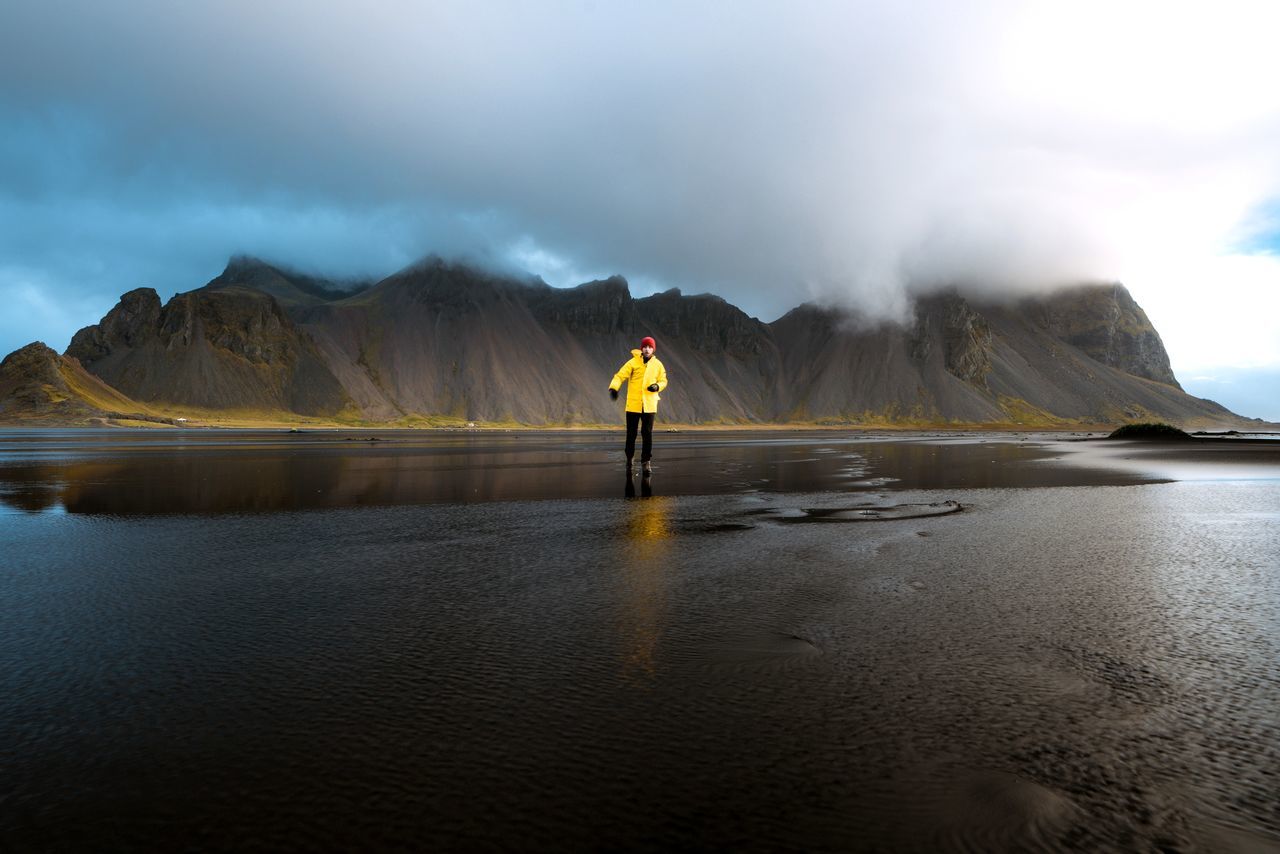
(645, 378)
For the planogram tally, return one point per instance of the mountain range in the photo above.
(446, 343)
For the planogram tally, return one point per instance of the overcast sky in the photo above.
(769, 152)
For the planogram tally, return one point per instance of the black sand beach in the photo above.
(226, 471)
(819, 641)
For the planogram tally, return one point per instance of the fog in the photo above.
(853, 153)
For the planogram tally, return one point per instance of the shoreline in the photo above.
(1084, 428)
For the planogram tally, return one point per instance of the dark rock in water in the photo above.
(1149, 431)
(866, 512)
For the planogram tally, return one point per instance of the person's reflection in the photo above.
(646, 485)
(643, 585)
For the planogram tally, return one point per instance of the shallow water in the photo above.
(148, 471)
(1078, 668)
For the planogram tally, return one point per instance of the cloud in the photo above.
(772, 153)
(34, 311)
(1252, 392)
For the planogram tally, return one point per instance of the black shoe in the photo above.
(648, 468)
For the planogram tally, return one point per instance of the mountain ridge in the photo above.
(445, 340)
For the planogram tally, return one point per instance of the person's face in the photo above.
(646, 350)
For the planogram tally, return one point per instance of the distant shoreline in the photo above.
(481, 427)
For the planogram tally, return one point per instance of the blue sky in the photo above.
(855, 153)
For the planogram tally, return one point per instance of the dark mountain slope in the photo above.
(1104, 323)
(987, 362)
(1077, 369)
(841, 368)
(445, 339)
(223, 347)
(439, 339)
(726, 360)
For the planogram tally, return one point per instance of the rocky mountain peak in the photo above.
(610, 288)
(218, 346)
(30, 381)
(601, 306)
(36, 360)
(812, 312)
(131, 322)
(1105, 322)
(242, 267)
(434, 281)
(288, 287)
(707, 322)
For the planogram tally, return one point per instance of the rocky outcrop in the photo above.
(220, 347)
(601, 307)
(1105, 323)
(130, 324)
(963, 333)
(36, 384)
(966, 341)
(705, 322)
(35, 363)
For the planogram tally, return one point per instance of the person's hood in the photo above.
(635, 354)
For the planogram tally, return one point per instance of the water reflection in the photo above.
(646, 485)
(585, 674)
(648, 532)
(131, 474)
(253, 482)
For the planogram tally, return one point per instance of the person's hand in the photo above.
(613, 393)
(653, 387)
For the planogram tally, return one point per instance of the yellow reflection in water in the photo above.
(648, 531)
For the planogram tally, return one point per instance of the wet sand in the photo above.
(1199, 459)
(224, 471)
(928, 651)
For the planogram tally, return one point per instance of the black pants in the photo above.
(643, 420)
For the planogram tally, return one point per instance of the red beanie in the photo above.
(649, 341)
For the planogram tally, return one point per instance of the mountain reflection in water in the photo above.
(131, 473)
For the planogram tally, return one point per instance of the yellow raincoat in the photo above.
(639, 375)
